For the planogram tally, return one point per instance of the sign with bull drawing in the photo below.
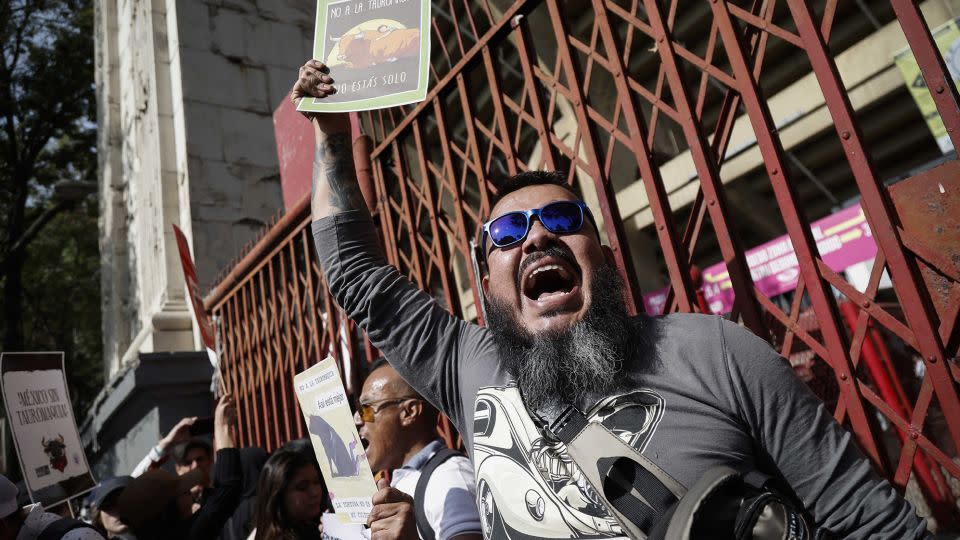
(44, 431)
(339, 450)
(378, 52)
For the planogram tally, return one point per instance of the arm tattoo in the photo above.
(333, 163)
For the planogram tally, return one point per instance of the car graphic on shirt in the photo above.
(527, 486)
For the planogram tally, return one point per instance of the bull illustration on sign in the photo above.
(359, 48)
(56, 450)
(344, 460)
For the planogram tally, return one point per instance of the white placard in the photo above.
(335, 440)
(334, 529)
(41, 420)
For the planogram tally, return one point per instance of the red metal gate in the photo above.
(628, 75)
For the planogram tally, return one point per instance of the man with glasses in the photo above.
(688, 392)
(398, 430)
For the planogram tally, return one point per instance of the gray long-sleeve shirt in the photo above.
(708, 393)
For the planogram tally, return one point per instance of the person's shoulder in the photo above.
(681, 328)
(684, 321)
(697, 327)
(748, 353)
(455, 465)
(740, 340)
(79, 531)
(455, 472)
(83, 533)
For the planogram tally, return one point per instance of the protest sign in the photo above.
(207, 333)
(334, 529)
(378, 52)
(947, 37)
(44, 431)
(336, 442)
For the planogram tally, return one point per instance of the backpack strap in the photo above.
(437, 459)
(57, 529)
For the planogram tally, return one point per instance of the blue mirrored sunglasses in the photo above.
(559, 217)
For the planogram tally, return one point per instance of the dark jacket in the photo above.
(241, 522)
(218, 507)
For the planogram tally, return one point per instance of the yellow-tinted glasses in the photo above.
(368, 412)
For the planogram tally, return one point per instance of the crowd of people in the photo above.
(579, 419)
(192, 487)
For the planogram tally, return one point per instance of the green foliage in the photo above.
(62, 300)
(49, 254)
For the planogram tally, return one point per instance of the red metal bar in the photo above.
(892, 393)
(273, 335)
(249, 330)
(605, 194)
(493, 79)
(798, 228)
(461, 224)
(450, 292)
(524, 51)
(362, 147)
(312, 293)
(649, 172)
(707, 169)
(302, 339)
(876, 205)
(416, 260)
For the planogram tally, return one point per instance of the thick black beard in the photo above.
(559, 367)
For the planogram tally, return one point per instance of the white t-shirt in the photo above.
(450, 502)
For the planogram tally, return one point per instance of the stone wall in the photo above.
(186, 91)
(238, 60)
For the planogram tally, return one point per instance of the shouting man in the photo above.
(399, 432)
(689, 392)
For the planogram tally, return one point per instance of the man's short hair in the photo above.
(533, 178)
(378, 363)
(428, 409)
(181, 451)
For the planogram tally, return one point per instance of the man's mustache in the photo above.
(559, 251)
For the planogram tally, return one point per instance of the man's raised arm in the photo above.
(335, 187)
(423, 341)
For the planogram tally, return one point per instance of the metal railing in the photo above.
(506, 81)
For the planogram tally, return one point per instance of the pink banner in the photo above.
(843, 239)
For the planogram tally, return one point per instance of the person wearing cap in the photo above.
(158, 504)
(103, 500)
(33, 523)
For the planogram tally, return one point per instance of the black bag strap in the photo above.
(650, 504)
(57, 529)
(419, 498)
(638, 492)
(623, 480)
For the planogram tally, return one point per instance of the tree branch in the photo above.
(33, 230)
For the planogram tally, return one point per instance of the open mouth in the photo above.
(545, 281)
(364, 442)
